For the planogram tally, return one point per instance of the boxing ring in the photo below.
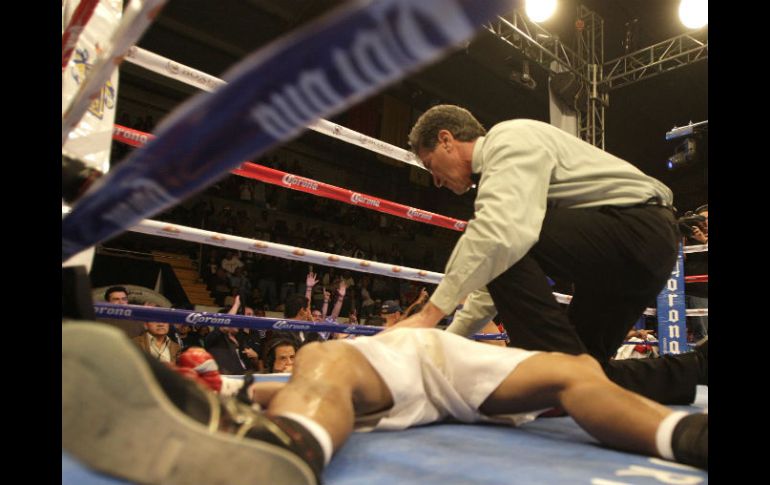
(546, 451)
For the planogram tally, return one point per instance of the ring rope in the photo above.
(697, 248)
(697, 278)
(272, 176)
(137, 138)
(199, 79)
(283, 251)
(191, 317)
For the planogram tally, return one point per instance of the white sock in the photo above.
(665, 433)
(319, 433)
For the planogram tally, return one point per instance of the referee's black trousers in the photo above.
(618, 259)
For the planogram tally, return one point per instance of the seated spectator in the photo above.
(201, 330)
(251, 341)
(224, 346)
(279, 355)
(117, 295)
(184, 335)
(297, 308)
(155, 341)
(316, 314)
(391, 312)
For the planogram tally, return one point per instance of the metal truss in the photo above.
(591, 50)
(534, 42)
(596, 77)
(656, 59)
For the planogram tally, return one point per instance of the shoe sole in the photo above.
(117, 419)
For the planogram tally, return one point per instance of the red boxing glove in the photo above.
(190, 374)
(197, 359)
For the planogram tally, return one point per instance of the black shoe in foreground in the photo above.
(134, 418)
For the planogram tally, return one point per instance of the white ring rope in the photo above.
(174, 231)
(199, 79)
(697, 248)
(184, 233)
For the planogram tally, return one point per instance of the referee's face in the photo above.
(446, 166)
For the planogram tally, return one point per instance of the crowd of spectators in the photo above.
(266, 283)
(240, 351)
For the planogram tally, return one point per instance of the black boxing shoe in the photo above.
(690, 441)
(128, 415)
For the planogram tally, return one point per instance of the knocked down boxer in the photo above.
(131, 416)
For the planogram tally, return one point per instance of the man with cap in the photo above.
(391, 312)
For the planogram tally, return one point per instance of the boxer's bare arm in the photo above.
(262, 392)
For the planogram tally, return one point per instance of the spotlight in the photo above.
(540, 10)
(694, 14)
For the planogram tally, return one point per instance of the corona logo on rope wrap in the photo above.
(413, 213)
(293, 180)
(357, 198)
(671, 310)
(133, 135)
(179, 70)
(113, 312)
(200, 319)
(460, 225)
(173, 68)
(171, 229)
(284, 325)
(106, 98)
